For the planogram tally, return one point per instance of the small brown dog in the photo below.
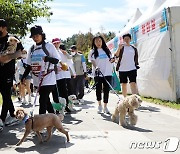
(39, 122)
(127, 106)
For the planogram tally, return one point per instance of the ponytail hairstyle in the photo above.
(104, 47)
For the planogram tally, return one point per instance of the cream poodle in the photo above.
(12, 45)
(127, 107)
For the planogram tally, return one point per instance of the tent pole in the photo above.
(173, 54)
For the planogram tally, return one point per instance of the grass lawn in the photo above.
(174, 105)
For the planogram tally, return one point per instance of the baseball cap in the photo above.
(36, 30)
(73, 47)
(56, 40)
(3, 23)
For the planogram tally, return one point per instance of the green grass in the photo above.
(171, 104)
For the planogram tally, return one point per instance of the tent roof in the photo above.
(134, 18)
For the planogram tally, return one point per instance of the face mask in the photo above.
(1, 33)
(23, 56)
(73, 53)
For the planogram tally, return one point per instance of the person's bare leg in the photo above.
(27, 82)
(22, 91)
(133, 86)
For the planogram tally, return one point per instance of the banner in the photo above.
(152, 26)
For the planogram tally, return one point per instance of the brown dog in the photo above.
(127, 106)
(39, 122)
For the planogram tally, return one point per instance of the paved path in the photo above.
(92, 133)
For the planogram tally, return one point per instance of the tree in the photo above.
(21, 13)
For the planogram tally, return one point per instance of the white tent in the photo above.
(157, 39)
(113, 44)
(136, 16)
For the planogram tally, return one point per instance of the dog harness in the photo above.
(26, 119)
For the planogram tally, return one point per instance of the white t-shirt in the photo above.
(63, 74)
(127, 61)
(71, 66)
(38, 65)
(102, 62)
(20, 67)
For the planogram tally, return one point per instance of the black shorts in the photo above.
(131, 75)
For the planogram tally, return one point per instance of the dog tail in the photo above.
(61, 117)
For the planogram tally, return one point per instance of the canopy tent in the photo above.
(156, 38)
(113, 44)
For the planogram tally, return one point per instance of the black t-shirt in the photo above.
(7, 70)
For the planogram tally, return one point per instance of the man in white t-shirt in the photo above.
(127, 65)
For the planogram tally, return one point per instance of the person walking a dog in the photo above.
(41, 59)
(62, 74)
(7, 71)
(101, 59)
(127, 65)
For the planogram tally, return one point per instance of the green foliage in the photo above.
(21, 13)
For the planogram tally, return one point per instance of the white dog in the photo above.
(72, 101)
(12, 45)
(60, 106)
(127, 106)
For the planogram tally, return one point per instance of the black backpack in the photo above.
(46, 52)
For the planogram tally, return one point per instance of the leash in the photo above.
(41, 77)
(40, 83)
(109, 84)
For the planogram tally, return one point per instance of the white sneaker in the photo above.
(100, 109)
(29, 99)
(12, 121)
(106, 110)
(76, 102)
(24, 101)
(1, 125)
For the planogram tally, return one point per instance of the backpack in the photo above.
(121, 54)
(46, 52)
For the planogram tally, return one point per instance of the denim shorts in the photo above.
(27, 78)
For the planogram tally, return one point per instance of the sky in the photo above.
(75, 16)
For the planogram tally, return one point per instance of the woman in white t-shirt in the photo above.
(101, 58)
(127, 65)
(61, 75)
(42, 64)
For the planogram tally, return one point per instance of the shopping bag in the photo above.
(115, 81)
